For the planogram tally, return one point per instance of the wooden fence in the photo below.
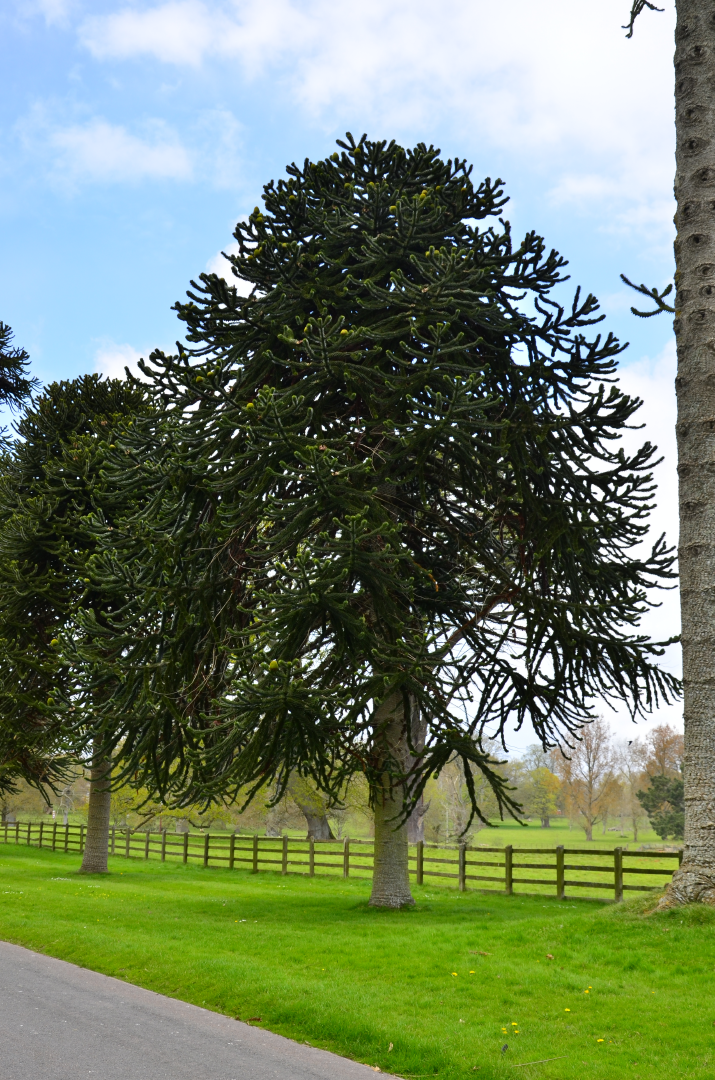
(592, 871)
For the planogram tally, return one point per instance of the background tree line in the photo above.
(605, 786)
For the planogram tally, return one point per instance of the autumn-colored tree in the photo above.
(631, 758)
(665, 751)
(588, 774)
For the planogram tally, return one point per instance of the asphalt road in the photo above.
(61, 1022)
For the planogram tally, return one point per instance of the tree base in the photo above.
(689, 885)
(391, 902)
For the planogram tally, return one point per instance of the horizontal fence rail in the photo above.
(532, 871)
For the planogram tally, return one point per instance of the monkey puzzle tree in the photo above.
(19, 759)
(387, 494)
(51, 483)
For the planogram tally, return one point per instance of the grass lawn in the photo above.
(448, 984)
(531, 834)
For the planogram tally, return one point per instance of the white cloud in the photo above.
(178, 33)
(576, 96)
(110, 360)
(100, 151)
(54, 12)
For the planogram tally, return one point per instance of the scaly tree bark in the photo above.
(694, 328)
(94, 859)
(390, 878)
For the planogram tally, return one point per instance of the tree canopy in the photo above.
(391, 473)
(664, 803)
(50, 486)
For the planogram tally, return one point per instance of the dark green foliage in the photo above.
(15, 385)
(664, 803)
(393, 467)
(51, 482)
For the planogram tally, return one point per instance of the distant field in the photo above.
(532, 835)
(623, 996)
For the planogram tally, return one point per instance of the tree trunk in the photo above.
(390, 879)
(312, 805)
(588, 829)
(546, 823)
(96, 849)
(695, 389)
(416, 820)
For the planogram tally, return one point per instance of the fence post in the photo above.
(42, 826)
(560, 887)
(618, 873)
(419, 862)
(163, 845)
(5, 832)
(311, 857)
(462, 867)
(67, 838)
(81, 838)
(509, 869)
(185, 858)
(346, 857)
(680, 857)
(284, 856)
(54, 834)
(206, 848)
(127, 840)
(146, 843)
(17, 832)
(29, 827)
(255, 853)
(114, 839)
(231, 850)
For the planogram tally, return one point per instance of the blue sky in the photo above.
(133, 136)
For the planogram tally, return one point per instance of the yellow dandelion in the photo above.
(455, 974)
(514, 1024)
(567, 1010)
(585, 991)
(599, 1040)
(471, 972)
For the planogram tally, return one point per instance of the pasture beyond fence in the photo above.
(591, 871)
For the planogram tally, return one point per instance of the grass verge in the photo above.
(447, 984)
